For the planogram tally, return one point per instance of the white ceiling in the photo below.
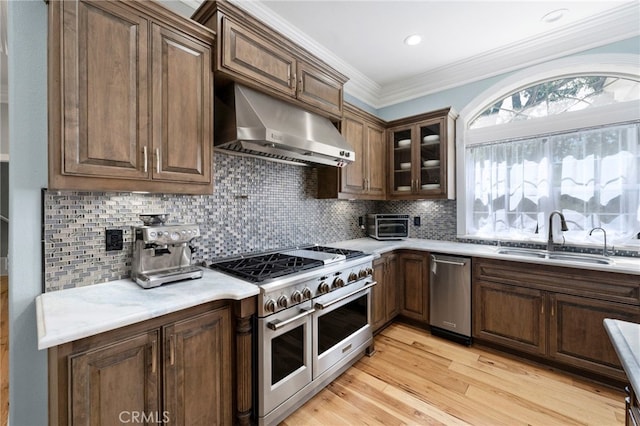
(463, 40)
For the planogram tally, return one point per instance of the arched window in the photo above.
(567, 142)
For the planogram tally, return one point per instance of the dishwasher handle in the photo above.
(448, 262)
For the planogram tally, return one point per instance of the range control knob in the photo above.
(283, 301)
(339, 282)
(353, 277)
(296, 297)
(270, 305)
(369, 271)
(362, 273)
(323, 287)
(306, 293)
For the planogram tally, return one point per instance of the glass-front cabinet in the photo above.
(422, 156)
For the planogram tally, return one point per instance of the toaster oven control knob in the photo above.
(306, 293)
(283, 301)
(296, 297)
(270, 306)
(339, 282)
(353, 277)
(323, 287)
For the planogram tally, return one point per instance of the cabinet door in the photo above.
(509, 315)
(104, 91)
(197, 360)
(112, 383)
(414, 268)
(182, 108)
(577, 336)
(378, 302)
(429, 157)
(401, 180)
(251, 56)
(352, 179)
(376, 164)
(319, 89)
(392, 304)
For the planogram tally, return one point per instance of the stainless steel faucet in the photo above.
(563, 226)
(604, 248)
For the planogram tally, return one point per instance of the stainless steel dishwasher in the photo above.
(450, 297)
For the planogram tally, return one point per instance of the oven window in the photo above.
(337, 325)
(392, 228)
(287, 354)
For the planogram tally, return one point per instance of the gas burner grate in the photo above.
(349, 254)
(262, 267)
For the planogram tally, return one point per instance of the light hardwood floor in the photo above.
(417, 379)
(4, 349)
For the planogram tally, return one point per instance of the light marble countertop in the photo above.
(67, 315)
(625, 337)
(628, 265)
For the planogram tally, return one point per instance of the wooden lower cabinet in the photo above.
(414, 284)
(384, 304)
(177, 369)
(197, 370)
(554, 313)
(112, 383)
(509, 315)
(577, 336)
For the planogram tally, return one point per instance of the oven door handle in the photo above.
(277, 324)
(346, 296)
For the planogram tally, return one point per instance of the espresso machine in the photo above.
(161, 252)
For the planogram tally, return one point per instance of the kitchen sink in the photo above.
(569, 257)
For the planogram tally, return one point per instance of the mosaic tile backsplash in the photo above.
(257, 205)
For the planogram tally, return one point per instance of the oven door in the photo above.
(341, 324)
(393, 228)
(284, 357)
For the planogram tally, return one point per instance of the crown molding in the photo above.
(614, 25)
(617, 24)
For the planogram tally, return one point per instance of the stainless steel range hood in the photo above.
(252, 123)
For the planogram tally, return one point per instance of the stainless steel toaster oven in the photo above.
(388, 226)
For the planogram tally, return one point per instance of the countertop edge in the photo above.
(621, 343)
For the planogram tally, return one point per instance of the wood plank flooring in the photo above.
(4, 349)
(417, 379)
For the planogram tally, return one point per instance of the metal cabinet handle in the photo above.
(277, 324)
(146, 158)
(172, 349)
(346, 296)
(153, 356)
(157, 160)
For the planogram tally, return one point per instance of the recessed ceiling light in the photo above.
(554, 15)
(412, 40)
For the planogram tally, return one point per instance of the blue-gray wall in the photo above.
(27, 33)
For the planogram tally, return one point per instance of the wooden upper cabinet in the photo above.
(104, 104)
(422, 156)
(246, 53)
(253, 54)
(111, 382)
(365, 178)
(130, 98)
(319, 89)
(181, 76)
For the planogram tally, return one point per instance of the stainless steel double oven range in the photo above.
(313, 322)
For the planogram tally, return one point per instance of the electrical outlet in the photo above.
(114, 239)
(416, 221)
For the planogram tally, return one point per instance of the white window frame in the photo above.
(615, 65)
